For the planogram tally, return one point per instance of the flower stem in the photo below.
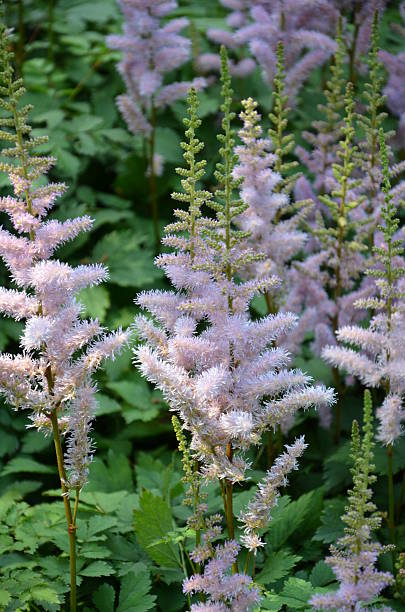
(229, 506)
(391, 499)
(70, 519)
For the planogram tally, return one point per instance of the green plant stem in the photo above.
(70, 519)
(229, 506)
(152, 179)
(391, 499)
(401, 498)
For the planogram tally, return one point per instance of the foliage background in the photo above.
(72, 81)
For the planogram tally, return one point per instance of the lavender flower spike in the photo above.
(52, 379)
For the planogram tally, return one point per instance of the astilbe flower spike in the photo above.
(368, 159)
(150, 50)
(260, 25)
(322, 288)
(275, 233)
(52, 377)
(354, 556)
(326, 132)
(216, 367)
(395, 87)
(379, 362)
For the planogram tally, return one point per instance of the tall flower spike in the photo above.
(326, 134)
(380, 359)
(368, 158)
(379, 362)
(305, 34)
(218, 369)
(354, 557)
(150, 49)
(52, 378)
(272, 223)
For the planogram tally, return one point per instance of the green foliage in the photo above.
(152, 522)
(132, 529)
(277, 565)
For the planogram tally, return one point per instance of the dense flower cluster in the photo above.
(354, 557)
(224, 590)
(380, 360)
(260, 26)
(217, 378)
(150, 50)
(60, 349)
(272, 227)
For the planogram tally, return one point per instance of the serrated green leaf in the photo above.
(104, 597)
(304, 512)
(152, 521)
(322, 574)
(98, 568)
(44, 594)
(128, 259)
(135, 591)
(96, 302)
(106, 405)
(26, 464)
(296, 593)
(332, 527)
(277, 565)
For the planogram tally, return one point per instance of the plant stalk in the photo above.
(71, 521)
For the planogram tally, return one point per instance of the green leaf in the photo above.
(96, 301)
(332, 527)
(106, 405)
(115, 475)
(104, 597)
(152, 521)
(44, 595)
(277, 565)
(4, 597)
(135, 591)
(68, 164)
(26, 464)
(322, 574)
(297, 593)
(304, 512)
(128, 259)
(168, 144)
(138, 395)
(98, 568)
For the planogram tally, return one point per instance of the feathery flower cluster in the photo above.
(326, 134)
(305, 34)
(224, 591)
(214, 365)
(395, 87)
(149, 51)
(355, 555)
(275, 233)
(258, 512)
(52, 376)
(237, 18)
(324, 285)
(380, 361)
